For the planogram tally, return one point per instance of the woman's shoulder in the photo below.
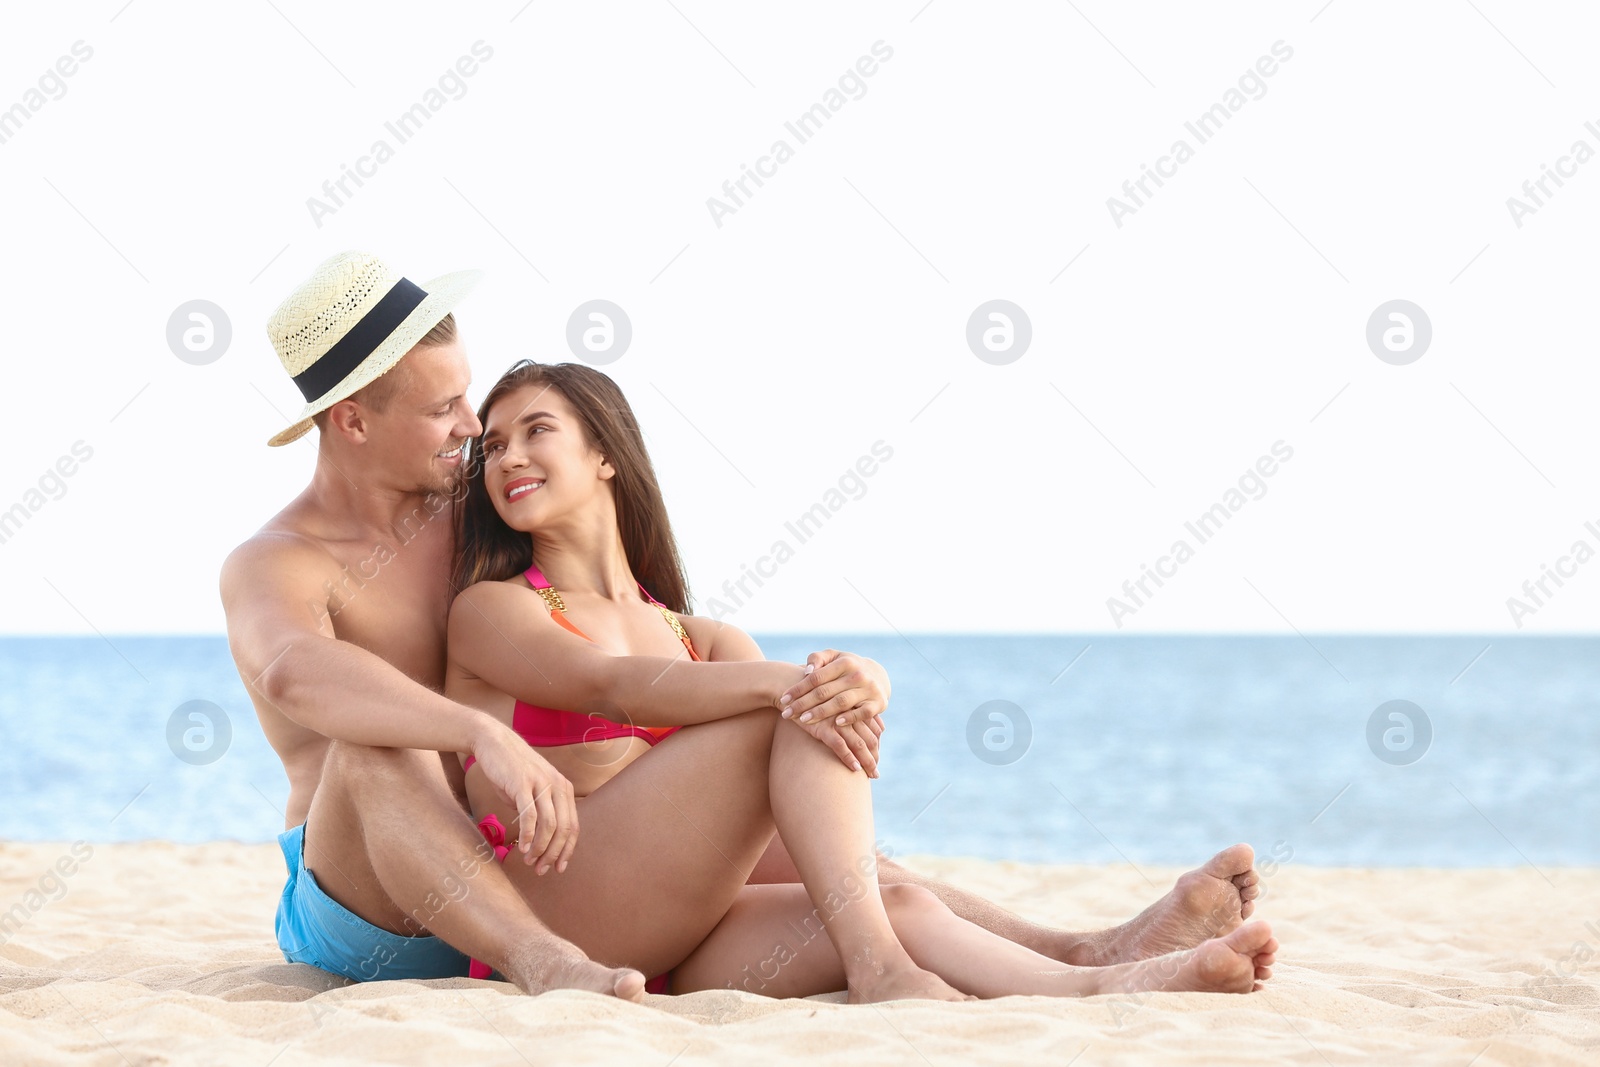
(493, 595)
(718, 639)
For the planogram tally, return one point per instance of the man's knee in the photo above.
(352, 767)
(904, 899)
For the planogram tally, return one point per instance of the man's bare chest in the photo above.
(392, 597)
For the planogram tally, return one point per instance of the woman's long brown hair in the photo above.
(488, 550)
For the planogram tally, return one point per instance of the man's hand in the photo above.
(842, 685)
(547, 812)
(856, 744)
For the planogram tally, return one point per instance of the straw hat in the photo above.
(350, 322)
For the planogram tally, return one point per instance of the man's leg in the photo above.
(1206, 903)
(386, 839)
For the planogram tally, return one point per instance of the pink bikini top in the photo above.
(552, 727)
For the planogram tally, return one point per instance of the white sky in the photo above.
(830, 311)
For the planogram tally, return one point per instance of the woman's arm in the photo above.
(497, 635)
(856, 744)
(849, 687)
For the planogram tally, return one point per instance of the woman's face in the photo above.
(538, 464)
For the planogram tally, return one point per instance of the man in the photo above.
(336, 613)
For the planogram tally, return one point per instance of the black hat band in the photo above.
(361, 341)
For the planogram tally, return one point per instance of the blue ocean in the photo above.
(1446, 751)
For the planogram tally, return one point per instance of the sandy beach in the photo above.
(158, 953)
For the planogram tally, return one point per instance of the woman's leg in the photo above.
(662, 848)
(1207, 902)
(823, 809)
(772, 942)
(666, 845)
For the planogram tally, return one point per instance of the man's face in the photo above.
(419, 436)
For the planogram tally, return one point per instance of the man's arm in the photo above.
(514, 645)
(283, 642)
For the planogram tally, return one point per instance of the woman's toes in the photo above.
(1252, 939)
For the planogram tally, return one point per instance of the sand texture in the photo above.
(159, 953)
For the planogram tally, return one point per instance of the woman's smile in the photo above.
(521, 487)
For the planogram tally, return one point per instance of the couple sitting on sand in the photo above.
(470, 631)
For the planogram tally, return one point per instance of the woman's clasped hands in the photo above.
(840, 701)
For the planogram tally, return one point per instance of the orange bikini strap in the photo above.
(666, 613)
(541, 585)
(672, 620)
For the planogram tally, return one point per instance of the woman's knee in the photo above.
(753, 729)
(762, 721)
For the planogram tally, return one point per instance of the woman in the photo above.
(563, 547)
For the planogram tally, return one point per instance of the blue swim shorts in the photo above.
(314, 928)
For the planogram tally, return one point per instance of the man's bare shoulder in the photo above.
(284, 546)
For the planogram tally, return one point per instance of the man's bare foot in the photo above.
(1206, 903)
(559, 964)
(904, 982)
(1238, 962)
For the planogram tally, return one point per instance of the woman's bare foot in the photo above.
(1238, 962)
(903, 981)
(1206, 903)
(559, 964)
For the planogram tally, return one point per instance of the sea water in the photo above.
(1054, 748)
